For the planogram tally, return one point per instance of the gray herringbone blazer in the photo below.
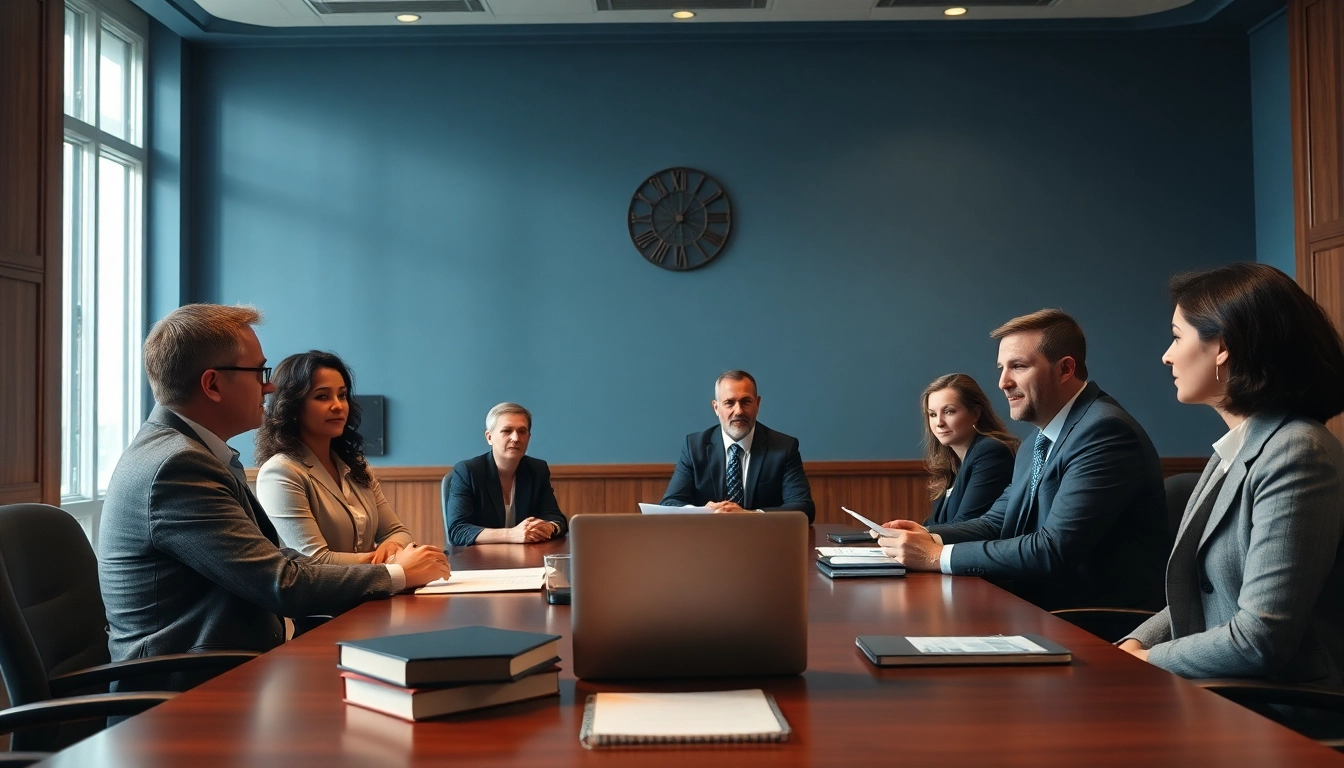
(1259, 596)
(188, 561)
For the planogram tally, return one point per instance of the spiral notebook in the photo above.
(712, 717)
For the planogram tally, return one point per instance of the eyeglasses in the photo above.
(264, 371)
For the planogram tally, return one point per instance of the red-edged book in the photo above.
(421, 703)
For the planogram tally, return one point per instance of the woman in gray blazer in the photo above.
(314, 483)
(1254, 581)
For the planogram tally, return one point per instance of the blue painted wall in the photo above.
(451, 220)
(1271, 121)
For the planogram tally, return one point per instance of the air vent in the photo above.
(679, 5)
(965, 3)
(326, 7)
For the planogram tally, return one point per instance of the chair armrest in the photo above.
(102, 674)
(21, 759)
(79, 708)
(1259, 692)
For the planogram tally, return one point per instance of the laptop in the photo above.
(689, 595)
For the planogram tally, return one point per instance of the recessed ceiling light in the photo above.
(407, 18)
(683, 14)
(957, 11)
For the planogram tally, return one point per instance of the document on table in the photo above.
(659, 509)
(499, 580)
(873, 552)
(1008, 644)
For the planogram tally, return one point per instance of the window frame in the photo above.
(80, 494)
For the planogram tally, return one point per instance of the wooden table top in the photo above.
(1106, 708)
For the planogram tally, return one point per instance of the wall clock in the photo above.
(680, 218)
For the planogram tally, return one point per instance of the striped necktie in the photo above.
(735, 474)
(1038, 452)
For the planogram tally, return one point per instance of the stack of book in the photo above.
(850, 562)
(429, 674)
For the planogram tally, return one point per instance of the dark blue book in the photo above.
(461, 655)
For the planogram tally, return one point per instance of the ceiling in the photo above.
(370, 13)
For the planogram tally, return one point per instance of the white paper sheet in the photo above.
(873, 552)
(715, 713)
(659, 509)
(996, 644)
(871, 525)
(499, 580)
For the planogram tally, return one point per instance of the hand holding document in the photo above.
(500, 580)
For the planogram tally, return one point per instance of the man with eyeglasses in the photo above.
(187, 558)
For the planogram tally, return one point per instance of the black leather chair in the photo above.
(444, 487)
(1112, 624)
(53, 636)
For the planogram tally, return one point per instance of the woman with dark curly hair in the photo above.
(314, 482)
(1253, 582)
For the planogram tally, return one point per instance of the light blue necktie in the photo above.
(1038, 452)
(735, 474)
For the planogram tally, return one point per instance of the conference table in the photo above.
(1106, 708)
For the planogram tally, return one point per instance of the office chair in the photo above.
(53, 636)
(1263, 698)
(444, 486)
(1112, 624)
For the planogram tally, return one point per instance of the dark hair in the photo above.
(941, 460)
(1283, 354)
(1061, 336)
(279, 431)
(736, 376)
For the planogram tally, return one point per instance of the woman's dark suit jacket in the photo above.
(985, 472)
(475, 498)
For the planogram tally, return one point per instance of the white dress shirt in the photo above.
(1228, 446)
(745, 444)
(1051, 432)
(226, 455)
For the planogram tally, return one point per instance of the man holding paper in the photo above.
(1083, 522)
(740, 465)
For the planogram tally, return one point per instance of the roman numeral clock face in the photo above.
(680, 218)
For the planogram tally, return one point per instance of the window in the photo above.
(103, 222)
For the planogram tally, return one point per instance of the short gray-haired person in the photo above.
(187, 558)
(502, 496)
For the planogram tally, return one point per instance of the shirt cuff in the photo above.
(945, 559)
(398, 575)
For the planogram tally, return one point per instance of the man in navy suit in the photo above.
(1083, 522)
(740, 465)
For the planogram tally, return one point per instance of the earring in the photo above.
(1215, 372)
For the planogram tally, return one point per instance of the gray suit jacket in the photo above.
(187, 560)
(1094, 535)
(1259, 597)
(313, 516)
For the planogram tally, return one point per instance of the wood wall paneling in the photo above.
(21, 132)
(1327, 275)
(1323, 69)
(1316, 80)
(884, 490)
(20, 423)
(31, 63)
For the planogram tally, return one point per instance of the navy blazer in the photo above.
(984, 473)
(474, 499)
(775, 479)
(1095, 535)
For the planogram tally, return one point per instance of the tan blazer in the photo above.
(314, 517)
